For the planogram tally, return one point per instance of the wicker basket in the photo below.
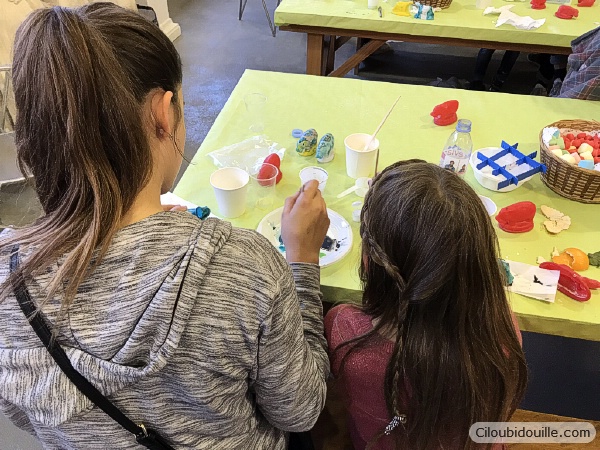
(436, 3)
(572, 182)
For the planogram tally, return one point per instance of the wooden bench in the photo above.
(330, 432)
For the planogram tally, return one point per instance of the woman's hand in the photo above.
(174, 208)
(304, 224)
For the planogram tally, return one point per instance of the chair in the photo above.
(271, 24)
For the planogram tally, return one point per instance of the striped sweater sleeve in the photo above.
(291, 382)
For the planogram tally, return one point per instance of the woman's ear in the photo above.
(161, 103)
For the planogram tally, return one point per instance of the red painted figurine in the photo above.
(538, 4)
(445, 113)
(583, 3)
(517, 218)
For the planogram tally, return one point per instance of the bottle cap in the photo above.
(463, 126)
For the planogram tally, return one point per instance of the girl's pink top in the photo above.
(363, 374)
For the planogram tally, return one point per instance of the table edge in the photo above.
(386, 36)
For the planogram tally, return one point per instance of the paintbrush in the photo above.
(377, 131)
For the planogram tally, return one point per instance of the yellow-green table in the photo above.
(461, 24)
(345, 106)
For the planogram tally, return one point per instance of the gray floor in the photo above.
(216, 48)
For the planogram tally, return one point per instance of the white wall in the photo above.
(170, 28)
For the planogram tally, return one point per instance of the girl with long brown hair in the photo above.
(196, 329)
(434, 347)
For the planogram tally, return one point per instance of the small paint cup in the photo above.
(314, 173)
(231, 190)
(356, 211)
(360, 162)
(362, 186)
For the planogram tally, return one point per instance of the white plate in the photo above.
(339, 231)
(489, 204)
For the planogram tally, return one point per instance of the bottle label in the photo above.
(455, 160)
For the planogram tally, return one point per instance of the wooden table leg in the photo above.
(331, 46)
(362, 53)
(314, 54)
(330, 59)
(360, 42)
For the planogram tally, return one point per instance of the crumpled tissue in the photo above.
(495, 11)
(510, 18)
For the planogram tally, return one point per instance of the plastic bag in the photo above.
(246, 154)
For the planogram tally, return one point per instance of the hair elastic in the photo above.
(397, 420)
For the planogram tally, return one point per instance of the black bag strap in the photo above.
(146, 437)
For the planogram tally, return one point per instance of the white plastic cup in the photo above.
(263, 178)
(373, 4)
(360, 163)
(255, 106)
(231, 189)
(314, 173)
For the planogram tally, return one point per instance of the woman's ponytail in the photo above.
(80, 79)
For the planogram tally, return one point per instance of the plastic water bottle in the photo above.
(458, 148)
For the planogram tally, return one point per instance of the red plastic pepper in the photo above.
(517, 218)
(592, 284)
(570, 282)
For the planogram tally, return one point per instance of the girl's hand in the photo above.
(304, 224)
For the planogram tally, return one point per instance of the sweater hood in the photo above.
(124, 324)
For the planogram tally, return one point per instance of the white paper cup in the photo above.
(231, 189)
(314, 173)
(360, 163)
(372, 4)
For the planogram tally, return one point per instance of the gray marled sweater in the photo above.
(197, 329)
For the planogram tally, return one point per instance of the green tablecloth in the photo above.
(461, 20)
(345, 106)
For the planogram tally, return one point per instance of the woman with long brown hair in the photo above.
(195, 329)
(434, 347)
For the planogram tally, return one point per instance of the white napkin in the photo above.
(496, 11)
(531, 281)
(520, 22)
(171, 199)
